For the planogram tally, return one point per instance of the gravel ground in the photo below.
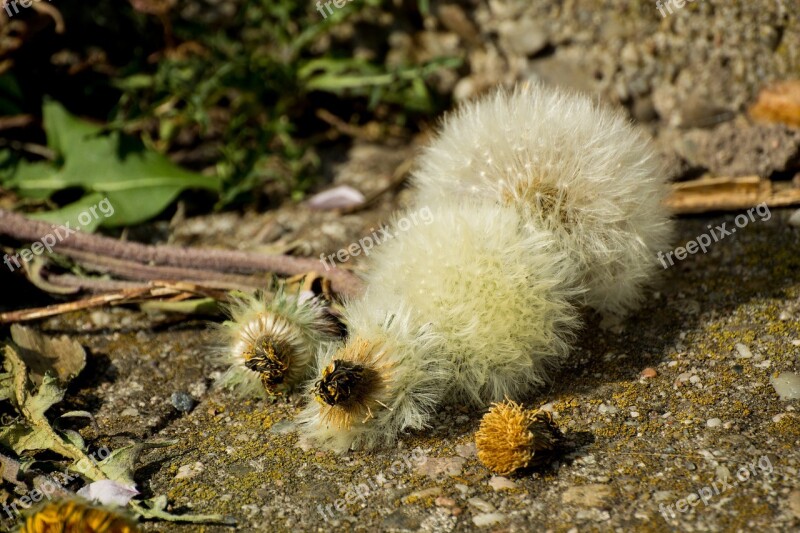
(659, 407)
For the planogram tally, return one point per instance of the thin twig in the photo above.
(155, 289)
(86, 303)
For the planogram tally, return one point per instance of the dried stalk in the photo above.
(196, 259)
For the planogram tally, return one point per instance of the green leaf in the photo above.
(34, 432)
(196, 306)
(124, 182)
(120, 465)
(153, 509)
(6, 384)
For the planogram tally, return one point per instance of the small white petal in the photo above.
(341, 197)
(108, 492)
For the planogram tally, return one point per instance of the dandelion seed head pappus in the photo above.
(374, 385)
(570, 166)
(495, 293)
(543, 202)
(270, 341)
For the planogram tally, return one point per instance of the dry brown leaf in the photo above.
(62, 357)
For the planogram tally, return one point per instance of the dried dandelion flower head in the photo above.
(76, 516)
(269, 342)
(386, 378)
(354, 383)
(511, 437)
(569, 166)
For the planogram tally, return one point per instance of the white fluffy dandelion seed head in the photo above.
(294, 327)
(412, 377)
(574, 168)
(495, 292)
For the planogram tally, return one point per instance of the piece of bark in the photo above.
(729, 194)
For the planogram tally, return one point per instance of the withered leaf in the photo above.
(62, 357)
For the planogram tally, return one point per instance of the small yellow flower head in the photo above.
(75, 516)
(511, 438)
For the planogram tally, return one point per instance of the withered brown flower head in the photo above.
(270, 358)
(511, 437)
(353, 384)
(343, 382)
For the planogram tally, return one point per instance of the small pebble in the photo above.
(649, 373)
(794, 499)
(607, 409)
(439, 466)
(463, 489)
(713, 422)
(787, 385)
(424, 493)
(190, 471)
(501, 483)
(444, 501)
(182, 401)
(466, 450)
(794, 220)
(743, 351)
(481, 505)
(488, 519)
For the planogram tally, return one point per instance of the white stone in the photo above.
(787, 385)
(488, 519)
(501, 483)
(744, 351)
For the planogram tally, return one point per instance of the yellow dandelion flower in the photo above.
(75, 516)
